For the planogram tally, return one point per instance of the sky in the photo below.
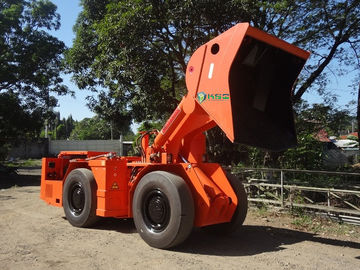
(341, 86)
(69, 10)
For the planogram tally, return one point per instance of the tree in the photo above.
(30, 67)
(16, 122)
(330, 30)
(309, 154)
(94, 128)
(311, 119)
(358, 111)
(138, 50)
(60, 129)
(112, 109)
(31, 59)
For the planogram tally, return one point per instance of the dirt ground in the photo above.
(35, 235)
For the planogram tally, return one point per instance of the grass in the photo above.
(325, 226)
(24, 163)
(305, 221)
(309, 223)
(262, 210)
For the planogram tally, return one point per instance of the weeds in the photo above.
(299, 219)
(261, 209)
(24, 163)
(309, 223)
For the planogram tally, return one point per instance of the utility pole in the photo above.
(121, 140)
(111, 130)
(46, 128)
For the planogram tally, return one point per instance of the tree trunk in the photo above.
(358, 111)
(314, 75)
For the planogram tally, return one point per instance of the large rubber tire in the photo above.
(79, 198)
(163, 209)
(240, 211)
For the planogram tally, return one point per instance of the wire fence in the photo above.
(336, 194)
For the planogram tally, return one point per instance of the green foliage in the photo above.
(150, 125)
(303, 221)
(61, 132)
(30, 67)
(311, 119)
(307, 155)
(144, 126)
(59, 129)
(94, 129)
(4, 150)
(30, 57)
(26, 163)
(63, 128)
(331, 31)
(262, 209)
(256, 157)
(16, 122)
(112, 109)
(352, 137)
(136, 51)
(90, 129)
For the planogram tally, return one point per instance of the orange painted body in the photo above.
(115, 187)
(240, 97)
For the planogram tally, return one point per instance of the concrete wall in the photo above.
(121, 148)
(28, 149)
(45, 148)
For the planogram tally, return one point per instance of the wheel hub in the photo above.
(156, 210)
(77, 199)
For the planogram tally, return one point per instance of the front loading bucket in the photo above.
(252, 74)
(260, 83)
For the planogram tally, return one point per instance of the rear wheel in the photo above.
(79, 198)
(163, 209)
(240, 211)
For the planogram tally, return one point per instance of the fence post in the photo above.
(282, 188)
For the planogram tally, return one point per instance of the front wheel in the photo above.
(163, 209)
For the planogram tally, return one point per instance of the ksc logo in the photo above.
(202, 96)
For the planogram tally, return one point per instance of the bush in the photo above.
(307, 155)
(353, 137)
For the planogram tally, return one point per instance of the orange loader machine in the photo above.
(241, 81)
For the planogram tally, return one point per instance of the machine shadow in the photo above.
(119, 225)
(251, 240)
(21, 180)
